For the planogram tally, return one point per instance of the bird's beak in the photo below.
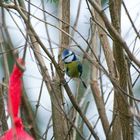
(63, 59)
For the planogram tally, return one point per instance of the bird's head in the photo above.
(68, 56)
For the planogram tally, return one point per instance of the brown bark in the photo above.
(94, 75)
(101, 109)
(123, 107)
(64, 14)
(58, 117)
(120, 101)
(29, 116)
(3, 125)
(114, 33)
(59, 122)
(62, 132)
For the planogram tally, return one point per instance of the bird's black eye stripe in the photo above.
(68, 55)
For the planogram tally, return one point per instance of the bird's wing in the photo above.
(80, 69)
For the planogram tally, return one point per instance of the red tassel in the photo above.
(15, 86)
(14, 99)
(16, 133)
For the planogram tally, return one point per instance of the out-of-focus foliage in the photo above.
(7, 1)
(104, 2)
(53, 1)
(56, 1)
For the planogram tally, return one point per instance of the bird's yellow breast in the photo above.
(72, 69)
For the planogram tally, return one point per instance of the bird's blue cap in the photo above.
(65, 53)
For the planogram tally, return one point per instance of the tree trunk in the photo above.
(121, 106)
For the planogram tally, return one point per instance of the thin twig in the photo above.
(114, 33)
(131, 21)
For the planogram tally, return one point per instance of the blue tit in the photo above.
(73, 67)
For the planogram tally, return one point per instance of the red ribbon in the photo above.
(17, 131)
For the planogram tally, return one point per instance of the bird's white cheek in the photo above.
(69, 59)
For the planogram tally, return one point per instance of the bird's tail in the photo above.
(83, 82)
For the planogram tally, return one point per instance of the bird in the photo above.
(73, 66)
